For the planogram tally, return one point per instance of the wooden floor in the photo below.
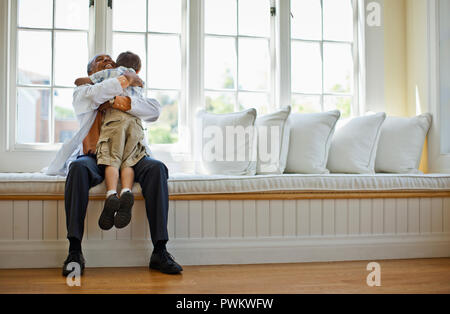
(397, 276)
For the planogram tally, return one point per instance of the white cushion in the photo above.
(310, 141)
(354, 145)
(401, 144)
(273, 142)
(179, 184)
(226, 143)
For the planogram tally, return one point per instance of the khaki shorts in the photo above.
(120, 143)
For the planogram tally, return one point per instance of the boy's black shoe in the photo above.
(74, 257)
(106, 220)
(123, 215)
(165, 263)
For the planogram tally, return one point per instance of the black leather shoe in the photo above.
(74, 257)
(106, 220)
(165, 263)
(123, 215)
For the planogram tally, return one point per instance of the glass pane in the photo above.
(306, 104)
(338, 68)
(164, 16)
(72, 14)
(165, 130)
(220, 63)
(338, 20)
(32, 115)
(134, 43)
(220, 17)
(220, 102)
(306, 67)
(307, 20)
(35, 13)
(258, 101)
(66, 124)
(342, 103)
(130, 15)
(254, 64)
(164, 55)
(71, 57)
(254, 17)
(34, 57)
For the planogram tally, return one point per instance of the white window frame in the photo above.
(17, 157)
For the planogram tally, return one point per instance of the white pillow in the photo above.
(310, 141)
(226, 143)
(273, 142)
(354, 145)
(401, 144)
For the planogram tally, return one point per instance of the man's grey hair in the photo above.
(91, 63)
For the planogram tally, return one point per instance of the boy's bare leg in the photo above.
(111, 178)
(127, 178)
(112, 202)
(123, 216)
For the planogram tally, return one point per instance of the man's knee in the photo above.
(78, 166)
(156, 167)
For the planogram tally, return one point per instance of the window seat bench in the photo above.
(226, 220)
(287, 186)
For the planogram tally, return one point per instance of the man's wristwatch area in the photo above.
(111, 102)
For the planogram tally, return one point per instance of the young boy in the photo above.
(119, 146)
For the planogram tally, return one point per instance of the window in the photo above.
(153, 29)
(237, 56)
(322, 60)
(222, 55)
(51, 51)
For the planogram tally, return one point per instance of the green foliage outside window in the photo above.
(165, 130)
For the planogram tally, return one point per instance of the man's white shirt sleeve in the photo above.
(147, 109)
(88, 98)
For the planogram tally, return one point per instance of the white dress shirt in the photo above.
(86, 100)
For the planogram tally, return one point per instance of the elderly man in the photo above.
(77, 159)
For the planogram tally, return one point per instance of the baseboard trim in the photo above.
(133, 253)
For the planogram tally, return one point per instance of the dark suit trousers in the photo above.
(84, 173)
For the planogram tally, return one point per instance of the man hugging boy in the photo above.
(119, 146)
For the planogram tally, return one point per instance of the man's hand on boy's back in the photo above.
(133, 79)
(83, 81)
(122, 103)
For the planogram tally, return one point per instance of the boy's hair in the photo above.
(129, 60)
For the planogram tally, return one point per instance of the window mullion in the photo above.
(103, 27)
(322, 98)
(356, 103)
(236, 95)
(147, 61)
(195, 65)
(11, 122)
(283, 45)
(183, 92)
(273, 61)
(91, 31)
(51, 118)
